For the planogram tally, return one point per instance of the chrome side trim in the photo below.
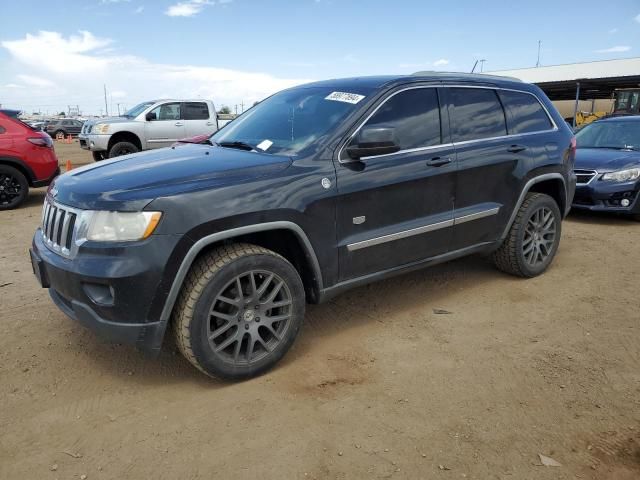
(424, 229)
(544, 107)
(525, 190)
(476, 216)
(397, 236)
(226, 234)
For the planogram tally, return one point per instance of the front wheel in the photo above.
(533, 238)
(14, 187)
(122, 148)
(239, 311)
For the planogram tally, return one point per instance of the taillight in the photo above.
(42, 141)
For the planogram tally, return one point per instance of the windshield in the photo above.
(137, 110)
(290, 121)
(622, 135)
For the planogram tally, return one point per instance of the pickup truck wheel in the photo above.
(98, 156)
(239, 311)
(533, 239)
(122, 148)
(13, 187)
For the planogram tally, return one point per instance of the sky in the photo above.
(237, 52)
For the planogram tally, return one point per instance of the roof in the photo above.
(575, 71)
(622, 118)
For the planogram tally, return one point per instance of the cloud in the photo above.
(140, 9)
(441, 62)
(71, 70)
(189, 8)
(613, 30)
(616, 49)
(637, 18)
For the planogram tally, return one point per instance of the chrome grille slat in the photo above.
(58, 227)
(584, 176)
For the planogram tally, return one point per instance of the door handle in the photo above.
(516, 148)
(209, 124)
(179, 124)
(438, 161)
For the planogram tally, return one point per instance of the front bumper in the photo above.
(607, 196)
(94, 143)
(109, 289)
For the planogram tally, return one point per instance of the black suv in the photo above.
(64, 127)
(315, 190)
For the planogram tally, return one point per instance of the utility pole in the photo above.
(242, 106)
(106, 107)
(538, 61)
(482, 65)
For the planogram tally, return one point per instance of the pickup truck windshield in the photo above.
(137, 110)
(290, 121)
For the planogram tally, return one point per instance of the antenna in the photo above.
(474, 66)
(538, 61)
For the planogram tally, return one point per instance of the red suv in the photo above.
(27, 159)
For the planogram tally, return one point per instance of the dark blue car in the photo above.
(608, 166)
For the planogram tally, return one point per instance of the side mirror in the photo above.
(151, 116)
(372, 141)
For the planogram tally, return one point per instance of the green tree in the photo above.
(62, 114)
(225, 110)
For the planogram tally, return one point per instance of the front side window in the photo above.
(196, 111)
(526, 115)
(167, 111)
(292, 121)
(476, 113)
(67, 123)
(414, 115)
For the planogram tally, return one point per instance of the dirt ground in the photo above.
(377, 386)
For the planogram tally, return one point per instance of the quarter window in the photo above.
(476, 113)
(525, 114)
(415, 116)
(196, 111)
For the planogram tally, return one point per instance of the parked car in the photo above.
(10, 113)
(608, 166)
(66, 127)
(315, 190)
(27, 159)
(152, 124)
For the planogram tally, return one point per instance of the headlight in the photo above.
(627, 175)
(101, 128)
(102, 226)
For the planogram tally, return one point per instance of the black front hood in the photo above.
(606, 159)
(130, 182)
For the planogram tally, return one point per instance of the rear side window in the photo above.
(415, 116)
(196, 111)
(2, 129)
(476, 113)
(524, 113)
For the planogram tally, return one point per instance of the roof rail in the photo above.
(470, 76)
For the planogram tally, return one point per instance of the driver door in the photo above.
(164, 125)
(397, 209)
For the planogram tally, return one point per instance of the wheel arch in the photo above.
(124, 136)
(552, 184)
(284, 237)
(21, 166)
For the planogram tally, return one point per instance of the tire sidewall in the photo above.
(198, 325)
(24, 186)
(114, 152)
(539, 202)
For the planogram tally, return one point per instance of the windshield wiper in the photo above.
(238, 145)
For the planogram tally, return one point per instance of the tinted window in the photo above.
(67, 122)
(2, 130)
(475, 113)
(167, 111)
(195, 111)
(525, 114)
(415, 115)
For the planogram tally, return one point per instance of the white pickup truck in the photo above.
(152, 124)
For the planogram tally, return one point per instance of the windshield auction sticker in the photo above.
(344, 97)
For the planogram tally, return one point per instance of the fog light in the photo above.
(625, 202)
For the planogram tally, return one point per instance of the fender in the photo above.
(525, 190)
(224, 235)
(13, 161)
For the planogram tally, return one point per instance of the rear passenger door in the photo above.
(489, 165)
(198, 120)
(396, 209)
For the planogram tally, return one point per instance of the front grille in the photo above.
(584, 176)
(58, 227)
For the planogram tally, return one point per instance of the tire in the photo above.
(98, 156)
(214, 326)
(122, 148)
(59, 132)
(14, 187)
(529, 248)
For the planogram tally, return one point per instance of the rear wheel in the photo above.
(533, 239)
(58, 132)
(122, 148)
(239, 311)
(14, 187)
